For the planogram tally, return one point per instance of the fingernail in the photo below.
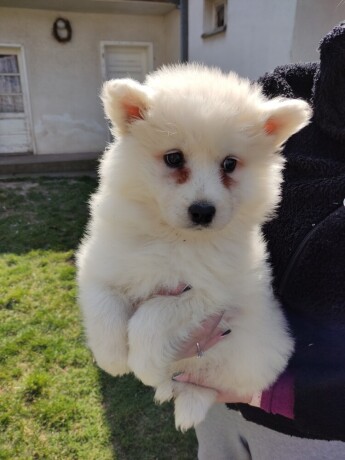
(226, 332)
(181, 377)
(175, 375)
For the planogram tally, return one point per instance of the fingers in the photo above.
(200, 340)
(227, 396)
(206, 336)
(209, 327)
(215, 339)
(232, 397)
(185, 378)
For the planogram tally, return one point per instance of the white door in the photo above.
(126, 59)
(14, 123)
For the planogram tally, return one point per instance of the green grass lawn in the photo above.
(54, 403)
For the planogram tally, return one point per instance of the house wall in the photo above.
(64, 79)
(258, 36)
(262, 34)
(171, 36)
(314, 19)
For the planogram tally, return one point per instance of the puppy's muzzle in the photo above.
(201, 213)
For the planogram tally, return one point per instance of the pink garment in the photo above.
(279, 398)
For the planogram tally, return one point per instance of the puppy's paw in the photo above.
(114, 367)
(164, 392)
(192, 405)
(111, 355)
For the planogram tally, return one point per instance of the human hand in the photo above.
(201, 339)
(223, 396)
(206, 336)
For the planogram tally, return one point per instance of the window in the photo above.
(11, 96)
(15, 120)
(215, 15)
(220, 15)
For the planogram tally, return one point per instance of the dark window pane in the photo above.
(11, 104)
(9, 84)
(8, 63)
(220, 15)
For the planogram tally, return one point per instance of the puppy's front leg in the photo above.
(154, 333)
(191, 402)
(106, 317)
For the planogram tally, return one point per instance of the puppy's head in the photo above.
(197, 147)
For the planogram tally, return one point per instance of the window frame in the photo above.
(210, 18)
(17, 49)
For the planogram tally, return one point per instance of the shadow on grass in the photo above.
(50, 214)
(43, 213)
(139, 428)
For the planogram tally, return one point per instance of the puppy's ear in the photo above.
(284, 117)
(125, 101)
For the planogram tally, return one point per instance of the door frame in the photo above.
(18, 49)
(147, 45)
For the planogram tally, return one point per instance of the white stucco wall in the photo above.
(258, 36)
(171, 34)
(64, 79)
(262, 34)
(314, 19)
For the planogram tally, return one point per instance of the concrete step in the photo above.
(49, 164)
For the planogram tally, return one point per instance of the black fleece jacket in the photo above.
(307, 245)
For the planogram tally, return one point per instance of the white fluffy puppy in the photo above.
(194, 172)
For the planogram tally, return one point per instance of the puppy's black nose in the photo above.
(201, 213)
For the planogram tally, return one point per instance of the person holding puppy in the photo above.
(302, 416)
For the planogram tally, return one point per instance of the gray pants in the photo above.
(226, 435)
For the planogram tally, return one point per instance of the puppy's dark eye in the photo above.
(229, 164)
(174, 159)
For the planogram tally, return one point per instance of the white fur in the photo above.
(140, 238)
